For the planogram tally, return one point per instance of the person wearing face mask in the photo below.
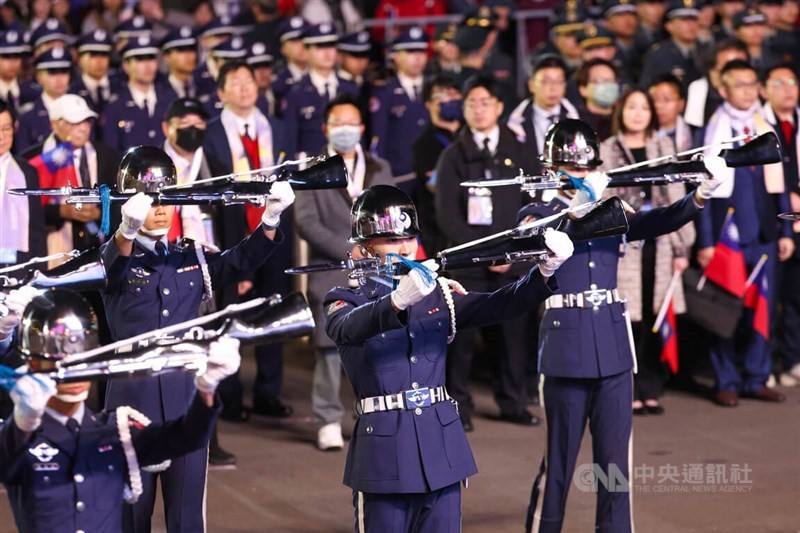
(598, 85)
(153, 284)
(321, 217)
(409, 455)
(442, 96)
(647, 266)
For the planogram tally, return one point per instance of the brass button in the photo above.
(591, 264)
(165, 291)
(165, 312)
(369, 429)
(78, 478)
(413, 359)
(417, 411)
(80, 507)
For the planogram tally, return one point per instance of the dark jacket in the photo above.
(463, 160)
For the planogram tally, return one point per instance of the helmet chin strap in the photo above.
(154, 233)
(73, 398)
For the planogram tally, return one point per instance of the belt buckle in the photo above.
(595, 297)
(418, 398)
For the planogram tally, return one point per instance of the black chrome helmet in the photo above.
(56, 324)
(145, 169)
(571, 142)
(383, 211)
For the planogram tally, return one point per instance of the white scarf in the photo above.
(696, 102)
(13, 209)
(720, 129)
(193, 220)
(239, 161)
(516, 120)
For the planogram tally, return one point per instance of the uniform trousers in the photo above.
(568, 404)
(438, 511)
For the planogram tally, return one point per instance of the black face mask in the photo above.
(190, 138)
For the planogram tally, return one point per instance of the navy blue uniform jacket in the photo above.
(147, 292)
(385, 352)
(59, 482)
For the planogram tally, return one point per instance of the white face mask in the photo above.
(344, 138)
(73, 398)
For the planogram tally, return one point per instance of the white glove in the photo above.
(30, 396)
(16, 302)
(413, 287)
(720, 173)
(597, 181)
(279, 198)
(134, 213)
(561, 247)
(223, 361)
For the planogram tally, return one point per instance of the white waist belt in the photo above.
(592, 298)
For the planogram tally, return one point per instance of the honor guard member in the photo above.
(151, 285)
(304, 106)
(679, 54)
(262, 60)
(354, 50)
(397, 111)
(409, 454)
(133, 115)
(52, 74)
(566, 23)
(586, 354)
(67, 468)
(15, 91)
(51, 33)
(93, 83)
(295, 57)
(179, 49)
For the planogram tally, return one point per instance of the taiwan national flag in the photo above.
(755, 298)
(55, 168)
(727, 269)
(669, 340)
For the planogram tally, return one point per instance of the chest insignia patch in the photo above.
(43, 452)
(432, 311)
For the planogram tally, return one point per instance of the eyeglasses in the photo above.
(782, 84)
(480, 103)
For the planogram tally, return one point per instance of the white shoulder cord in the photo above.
(444, 283)
(125, 415)
(201, 260)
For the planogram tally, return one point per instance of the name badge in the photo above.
(8, 256)
(479, 206)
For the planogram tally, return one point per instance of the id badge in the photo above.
(479, 207)
(8, 256)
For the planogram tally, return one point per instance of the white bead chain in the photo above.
(125, 414)
(451, 306)
(201, 260)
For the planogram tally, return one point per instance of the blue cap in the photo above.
(320, 35)
(97, 41)
(748, 17)
(183, 37)
(56, 58)
(233, 48)
(682, 9)
(414, 39)
(13, 43)
(292, 28)
(569, 18)
(259, 54)
(356, 43)
(133, 27)
(617, 7)
(49, 30)
(219, 26)
(143, 45)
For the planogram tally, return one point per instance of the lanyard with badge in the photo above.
(479, 205)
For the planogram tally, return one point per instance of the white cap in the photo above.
(71, 108)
